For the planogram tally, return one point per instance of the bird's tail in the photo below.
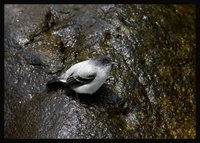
(54, 84)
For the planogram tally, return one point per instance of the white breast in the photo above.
(101, 76)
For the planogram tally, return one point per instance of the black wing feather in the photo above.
(54, 84)
(76, 81)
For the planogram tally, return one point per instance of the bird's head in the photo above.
(103, 60)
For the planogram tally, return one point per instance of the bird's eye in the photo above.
(106, 61)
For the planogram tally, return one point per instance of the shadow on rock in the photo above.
(104, 99)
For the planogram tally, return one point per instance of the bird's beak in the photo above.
(114, 63)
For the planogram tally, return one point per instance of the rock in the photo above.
(151, 91)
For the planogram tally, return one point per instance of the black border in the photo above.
(101, 2)
(2, 68)
(197, 72)
(107, 2)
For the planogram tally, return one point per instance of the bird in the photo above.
(85, 77)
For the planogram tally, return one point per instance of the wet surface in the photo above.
(149, 94)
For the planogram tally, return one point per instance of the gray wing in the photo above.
(76, 80)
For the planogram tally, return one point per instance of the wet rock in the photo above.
(151, 90)
(46, 53)
(21, 21)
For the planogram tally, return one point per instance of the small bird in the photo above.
(85, 77)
